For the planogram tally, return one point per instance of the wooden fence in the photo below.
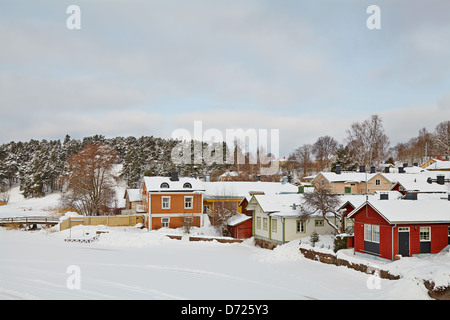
(111, 221)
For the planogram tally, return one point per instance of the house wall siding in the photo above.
(389, 234)
(176, 203)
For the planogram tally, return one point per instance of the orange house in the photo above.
(172, 202)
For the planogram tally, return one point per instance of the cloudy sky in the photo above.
(148, 67)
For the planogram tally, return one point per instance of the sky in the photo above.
(149, 67)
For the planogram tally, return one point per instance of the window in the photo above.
(376, 234)
(301, 226)
(378, 182)
(318, 223)
(274, 225)
(188, 202)
(207, 209)
(265, 223)
(367, 232)
(187, 185)
(425, 234)
(164, 185)
(165, 222)
(372, 233)
(258, 222)
(166, 202)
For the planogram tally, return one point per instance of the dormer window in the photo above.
(164, 185)
(187, 185)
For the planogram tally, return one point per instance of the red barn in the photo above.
(240, 226)
(385, 228)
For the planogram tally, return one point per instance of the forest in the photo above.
(40, 167)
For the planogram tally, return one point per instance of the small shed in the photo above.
(240, 226)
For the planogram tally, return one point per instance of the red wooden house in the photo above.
(386, 228)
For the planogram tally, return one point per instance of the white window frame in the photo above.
(300, 227)
(376, 233)
(258, 222)
(372, 233)
(163, 203)
(165, 222)
(206, 208)
(192, 202)
(274, 225)
(422, 232)
(378, 182)
(319, 223)
(368, 232)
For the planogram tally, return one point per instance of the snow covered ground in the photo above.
(132, 263)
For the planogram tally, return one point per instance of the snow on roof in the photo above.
(282, 205)
(241, 189)
(237, 219)
(418, 181)
(347, 176)
(155, 184)
(411, 211)
(357, 199)
(134, 195)
(230, 174)
(439, 165)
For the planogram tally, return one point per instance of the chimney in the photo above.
(258, 177)
(441, 179)
(416, 164)
(372, 169)
(174, 176)
(405, 165)
(384, 196)
(401, 170)
(362, 168)
(338, 169)
(448, 197)
(386, 169)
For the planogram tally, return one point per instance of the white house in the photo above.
(277, 219)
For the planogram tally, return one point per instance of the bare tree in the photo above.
(303, 155)
(442, 138)
(324, 149)
(324, 202)
(367, 140)
(90, 183)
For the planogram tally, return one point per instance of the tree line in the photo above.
(43, 166)
(366, 143)
(40, 167)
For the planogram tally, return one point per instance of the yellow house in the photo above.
(428, 163)
(229, 194)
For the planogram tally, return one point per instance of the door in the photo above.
(403, 241)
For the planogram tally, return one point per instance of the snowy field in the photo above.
(132, 263)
